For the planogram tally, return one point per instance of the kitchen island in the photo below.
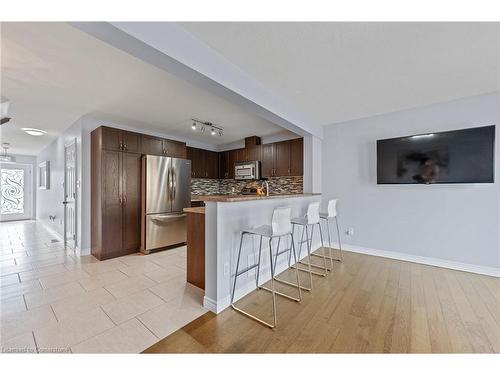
(225, 217)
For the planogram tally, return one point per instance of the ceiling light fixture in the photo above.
(4, 111)
(5, 157)
(214, 129)
(34, 132)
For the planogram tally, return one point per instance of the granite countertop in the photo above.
(241, 198)
(195, 210)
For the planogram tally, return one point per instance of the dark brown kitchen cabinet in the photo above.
(224, 164)
(152, 145)
(131, 206)
(281, 159)
(267, 161)
(174, 149)
(240, 155)
(212, 164)
(297, 157)
(162, 147)
(120, 140)
(115, 198)
(204, 163)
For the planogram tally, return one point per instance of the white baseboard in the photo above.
(473, 268)
(52, 231)
(210, 304)
(82, 252)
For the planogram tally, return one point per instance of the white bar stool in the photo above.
(280, 227)
(310, 220)
(327, 216)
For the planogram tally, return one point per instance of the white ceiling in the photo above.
(53, 74)
(341, 71)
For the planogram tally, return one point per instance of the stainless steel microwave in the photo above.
(248, 170)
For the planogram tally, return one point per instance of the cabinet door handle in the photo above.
(124, 147)
(124, 200)
(120, 199)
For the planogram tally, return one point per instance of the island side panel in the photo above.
(223, 227)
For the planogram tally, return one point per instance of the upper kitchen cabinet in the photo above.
(282, 158)
(224, 164)
(267, 160)
(152, 145)
(119, 140)
(252, 148)
(174, 149)
(204, 163)
(297, 157)
(162, 147)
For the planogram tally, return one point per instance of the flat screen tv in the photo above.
(452, 157)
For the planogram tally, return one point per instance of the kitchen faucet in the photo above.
(267, 186)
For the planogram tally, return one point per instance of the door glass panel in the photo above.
(12, 185)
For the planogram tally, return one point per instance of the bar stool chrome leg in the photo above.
(338, 235)
(327, 221)
(297, 285)
(238, 273)
(309, 246)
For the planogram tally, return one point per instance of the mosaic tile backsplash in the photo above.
(277, 185)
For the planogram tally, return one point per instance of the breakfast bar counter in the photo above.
(225, 217)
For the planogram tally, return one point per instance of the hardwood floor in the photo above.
(367, 305)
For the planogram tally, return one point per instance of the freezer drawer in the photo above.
(165, 230)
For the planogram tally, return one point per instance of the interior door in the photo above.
(70, 194)
(16, 183)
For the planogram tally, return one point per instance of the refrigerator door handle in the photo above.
(166, 217)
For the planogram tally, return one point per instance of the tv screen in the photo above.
(459, 156)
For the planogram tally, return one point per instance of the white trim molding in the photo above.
(436, 262)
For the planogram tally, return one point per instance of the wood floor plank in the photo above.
(457, 332)
(490, 327)
(478, 339)
(366, 305)
(419, 336)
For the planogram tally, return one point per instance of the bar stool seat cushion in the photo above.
(263, 230)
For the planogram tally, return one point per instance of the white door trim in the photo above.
(70, 242)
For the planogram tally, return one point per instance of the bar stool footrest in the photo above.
(246, 270)
(292, 284)
(313, 272)
(280, 293)
(241, 311)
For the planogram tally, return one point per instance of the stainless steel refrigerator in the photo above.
(167, 187)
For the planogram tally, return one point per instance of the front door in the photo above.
(70, 194)
(16, 191)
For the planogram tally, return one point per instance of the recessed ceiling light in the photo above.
(33, 131)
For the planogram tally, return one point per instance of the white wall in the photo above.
(49, 202)
(458, 223)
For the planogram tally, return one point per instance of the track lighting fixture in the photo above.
(214, 129)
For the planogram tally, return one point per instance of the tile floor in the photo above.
(54, 301)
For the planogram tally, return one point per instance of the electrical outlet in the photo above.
(350, 231)
(226, 269)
